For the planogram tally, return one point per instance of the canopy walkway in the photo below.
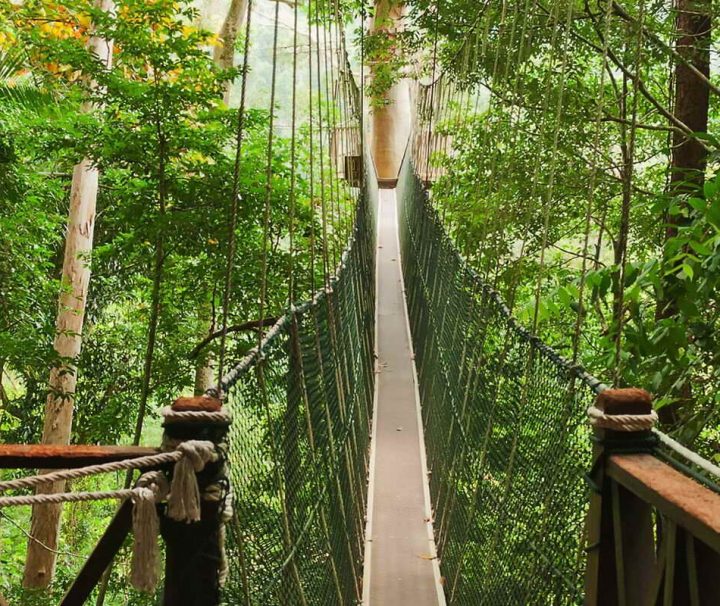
(494, 498)
(400, 438)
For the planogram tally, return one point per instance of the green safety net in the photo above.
(297, 451)
(505, 425)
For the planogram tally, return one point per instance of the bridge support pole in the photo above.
(653, 531)
(194, 551)
(620, 547)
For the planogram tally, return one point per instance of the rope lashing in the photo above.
(641, 422)
(180, 416)
(626, 409)
(190, 416)
(184, 499)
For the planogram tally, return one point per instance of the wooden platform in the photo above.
(400, 564)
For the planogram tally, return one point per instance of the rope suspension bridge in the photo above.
(401, 437)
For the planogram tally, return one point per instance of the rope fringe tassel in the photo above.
(152, 487)
(184, 498)
(145, 560)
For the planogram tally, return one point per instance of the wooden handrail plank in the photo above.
(43, 456)
(677, 496)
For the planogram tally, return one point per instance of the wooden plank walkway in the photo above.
(400, 564)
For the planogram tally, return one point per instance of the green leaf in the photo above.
(700, 248)
(698, 204)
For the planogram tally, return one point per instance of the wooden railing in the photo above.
(653, 531)
(192, 550)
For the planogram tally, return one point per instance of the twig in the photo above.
(32, 538)
(252, 325)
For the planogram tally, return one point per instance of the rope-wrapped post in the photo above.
(620, 544)
(193, 525)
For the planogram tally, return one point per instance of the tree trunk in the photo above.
(224, 57)
(692, 97)
(390, 122)
(687, 165)
(45, 527)
(4, 399)
(224, 54)
(204, 365)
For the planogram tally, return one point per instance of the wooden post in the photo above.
(620, 546)
(193, 551)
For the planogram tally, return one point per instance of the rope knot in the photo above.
(627, 409)
(198, 452)
(640, 422)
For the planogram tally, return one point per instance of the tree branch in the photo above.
(251, 325)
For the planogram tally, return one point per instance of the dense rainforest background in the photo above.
(154, 122)
(577, 157)
(576, 170)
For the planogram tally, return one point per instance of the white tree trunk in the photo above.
(224, 54)
(45, 527)
(224, 57)
(205, 364)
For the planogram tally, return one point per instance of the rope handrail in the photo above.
(301, 402)
(506, 424)
(157, 460)
(577, 370)
(253, 355)
(196, 453)
(691, 456)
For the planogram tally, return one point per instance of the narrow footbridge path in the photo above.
(400, 562)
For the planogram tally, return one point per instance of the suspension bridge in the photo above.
(399, 438)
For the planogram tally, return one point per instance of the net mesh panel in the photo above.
(505, 428)
(297, 450)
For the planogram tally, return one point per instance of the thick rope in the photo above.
(151, 488)
(183, 501)
(179, 416)
(66, 497)
(74, 474)
(599, 419)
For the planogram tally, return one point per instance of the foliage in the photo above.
(561, 134)
(154, 124)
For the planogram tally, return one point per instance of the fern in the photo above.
(19, 92)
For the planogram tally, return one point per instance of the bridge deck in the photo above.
(400, 568)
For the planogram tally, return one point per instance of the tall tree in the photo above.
(688, 160)
(45, 527)
(224, 57)
(390, 126)
(224, 53)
